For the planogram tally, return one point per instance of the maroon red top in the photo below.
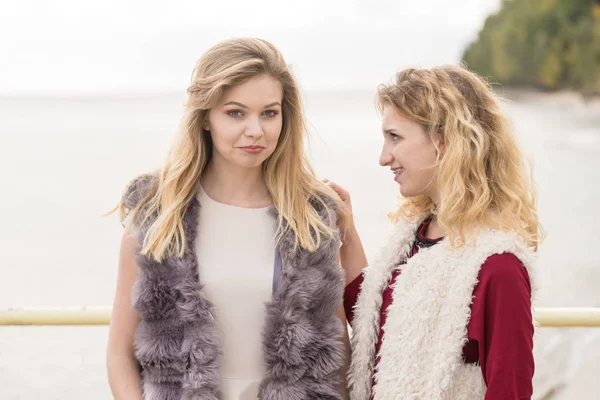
(500, 330)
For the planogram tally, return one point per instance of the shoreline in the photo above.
(564, 97)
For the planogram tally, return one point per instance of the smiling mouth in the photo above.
(398, 171)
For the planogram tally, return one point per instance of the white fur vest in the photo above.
(426, 326)
(177, 341)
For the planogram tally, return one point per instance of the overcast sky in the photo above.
(82, 46)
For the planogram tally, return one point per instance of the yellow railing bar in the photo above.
(545, 316)
(568, 316)
(56, 316)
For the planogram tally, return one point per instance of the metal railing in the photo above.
(56, 316)
(86, 316)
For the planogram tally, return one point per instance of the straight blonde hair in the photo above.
(482, 175)
(287, 172)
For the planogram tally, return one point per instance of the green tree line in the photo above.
(547, 44)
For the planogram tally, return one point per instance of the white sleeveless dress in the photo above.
(235, 247)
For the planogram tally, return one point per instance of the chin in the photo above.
(406, 193)
(250, 164)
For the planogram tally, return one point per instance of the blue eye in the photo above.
(270, 113)
(235, 113)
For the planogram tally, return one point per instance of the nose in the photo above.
(386, 157)
(254, 129)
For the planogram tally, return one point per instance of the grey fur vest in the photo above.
(177, 342)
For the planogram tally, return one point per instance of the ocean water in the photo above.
(65, 161)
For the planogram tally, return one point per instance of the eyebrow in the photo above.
(235, 103)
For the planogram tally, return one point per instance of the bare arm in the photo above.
(122, 367)
(352, 253)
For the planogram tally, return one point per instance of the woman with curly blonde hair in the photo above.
(445, 312)
(229, 285)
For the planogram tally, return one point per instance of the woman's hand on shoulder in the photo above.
(352, 254)
(344, 196)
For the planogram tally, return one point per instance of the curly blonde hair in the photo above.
(483, 179)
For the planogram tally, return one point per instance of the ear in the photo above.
(206, 126)
(440, 143)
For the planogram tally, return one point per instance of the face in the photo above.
(410, 153)
(246, 124)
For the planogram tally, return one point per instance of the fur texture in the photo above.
(177, 342)
(426, 327)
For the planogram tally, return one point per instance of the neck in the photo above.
(237, 186)
(434, 230)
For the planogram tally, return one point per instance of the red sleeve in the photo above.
(351, 296)
(501, 323)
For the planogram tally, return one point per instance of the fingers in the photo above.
(343, 193)
(346, 203)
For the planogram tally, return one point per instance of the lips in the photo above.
(397, 173)
(252, 149)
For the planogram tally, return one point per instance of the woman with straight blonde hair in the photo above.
(229, 285)
(445, 311)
